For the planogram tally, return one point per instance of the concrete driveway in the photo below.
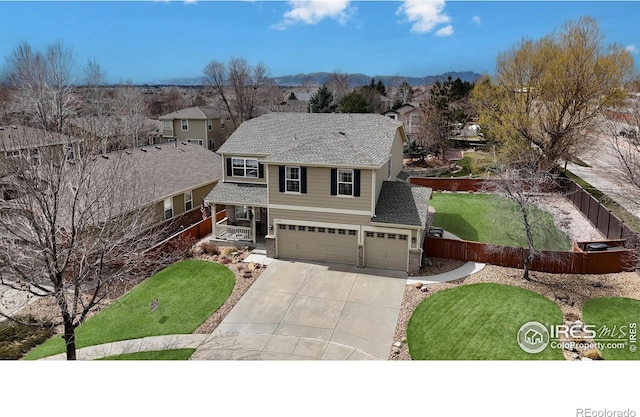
(299, 310)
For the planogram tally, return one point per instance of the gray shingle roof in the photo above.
(402, 203)
(195, 113)
(238, 194)
(323, 138)
(24, 137)
(168, 169)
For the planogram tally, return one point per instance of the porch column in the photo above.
(253, 224)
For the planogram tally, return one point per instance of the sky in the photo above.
(155, 41)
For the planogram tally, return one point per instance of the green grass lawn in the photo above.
(615, 314)
(478, 322)
(493, 219)
(188, 293)
(153, 355)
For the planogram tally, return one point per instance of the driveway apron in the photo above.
(299, 310)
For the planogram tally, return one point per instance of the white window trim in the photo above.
(287, 180)
(182, 125)
(168, 206)
(167, 125)
(345, 182)
(189, 200)
(244, 168)
(198, 142)
(12, 154)
(246, 212)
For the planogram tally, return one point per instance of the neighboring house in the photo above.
(323, 187)
(116, 133)
(411, 116)
(177, 176)
(203, 126)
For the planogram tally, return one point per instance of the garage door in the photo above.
(386, 250)
(318, 243)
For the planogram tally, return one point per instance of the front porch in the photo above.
(240, 226)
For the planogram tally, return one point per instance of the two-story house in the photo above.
(204, 126)
(323, 187)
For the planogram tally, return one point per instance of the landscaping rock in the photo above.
(398, 344)
(418, 285)
(424, 289)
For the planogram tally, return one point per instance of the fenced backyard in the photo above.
(622, 242)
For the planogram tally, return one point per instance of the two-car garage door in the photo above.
(325, 244)
(322, 244)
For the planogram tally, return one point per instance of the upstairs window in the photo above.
(12, 154)
(244, 167)
(345, 182)
(242, 213)
(70, 154)
(209, 124)
(292, 179)
(184, 123)
(167, 125)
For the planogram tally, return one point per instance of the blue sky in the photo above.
(148, 41)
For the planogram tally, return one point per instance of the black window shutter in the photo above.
(229, 168)
(260, 170)
(334, 181)
(356, 183)
(281, 178)
(303, 180)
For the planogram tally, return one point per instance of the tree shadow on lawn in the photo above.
(456, 224)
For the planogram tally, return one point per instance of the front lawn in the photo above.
(188, 293)
(489, 218)
(616, 319)
(478, 322)
(153, 355)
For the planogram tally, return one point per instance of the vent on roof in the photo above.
(127, 152)
(343, 134)
(143, 149)
(181, 150)
(105, 156)
(157, 147)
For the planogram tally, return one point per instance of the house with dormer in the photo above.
(322, 187)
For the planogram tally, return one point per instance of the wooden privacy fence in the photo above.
(196, 231)
(611, 261)
(450, 184)
(600, 217)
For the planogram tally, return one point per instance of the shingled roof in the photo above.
(402, 203)
(238, 194)
(24, 137)
(195, 113)
(318, 138)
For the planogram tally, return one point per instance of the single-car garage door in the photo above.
(386, 250)
(322, 244)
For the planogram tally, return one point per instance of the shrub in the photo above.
(594, 354)
(225, 261)
(228, 251)
(16, 340)
(210, 248)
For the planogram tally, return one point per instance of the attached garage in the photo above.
(321, 244)
(386, 250)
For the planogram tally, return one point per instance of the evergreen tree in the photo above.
(354, 102)
(322, 101)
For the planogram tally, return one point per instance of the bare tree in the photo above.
(239, 85)
(74, 228)
(339, 85)
(42, 85)
(131, 112)
(524, 186)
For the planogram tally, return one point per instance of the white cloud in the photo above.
(310, 12)
(477, 20)
(445, 31)
(426, 14)
(632, 49)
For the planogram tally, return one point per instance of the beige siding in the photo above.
(318, 216)
(396, 155)
(319, 191)
(242, 179)
(197, 130)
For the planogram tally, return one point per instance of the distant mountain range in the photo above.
(319, 78)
